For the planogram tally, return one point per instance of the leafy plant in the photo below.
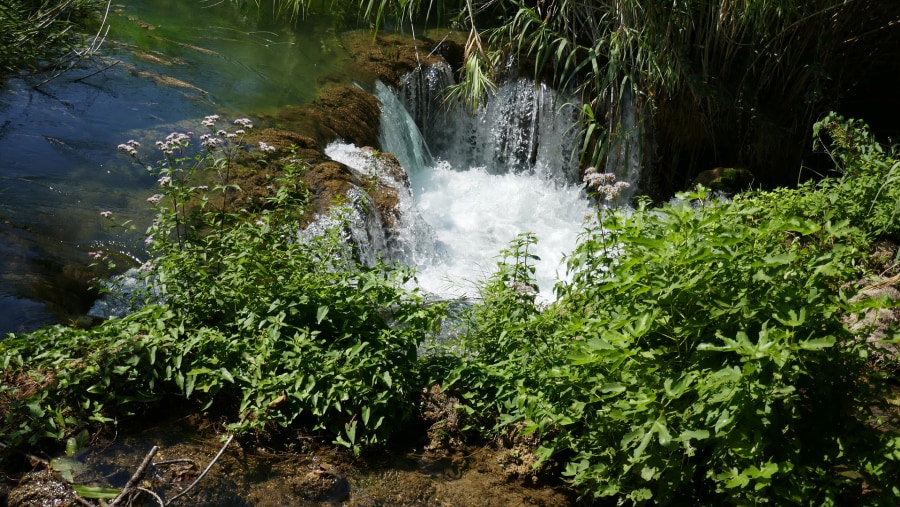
(269, 325)
(869, 189)
(698, 354)
(30, 31)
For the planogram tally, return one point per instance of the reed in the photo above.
(744, 75)
(33, 32)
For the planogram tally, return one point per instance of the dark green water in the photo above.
(172, 62)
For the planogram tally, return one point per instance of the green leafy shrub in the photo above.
(504, 341)
(868, 193)
(274, 327)
(698, 354)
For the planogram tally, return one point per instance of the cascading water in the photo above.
(506, 170)
(524, 127)
(625, 151)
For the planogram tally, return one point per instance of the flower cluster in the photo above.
(210, 142)
(266, 147)
(604, 184)
(174, 142)
(210, 121)
(130, 147)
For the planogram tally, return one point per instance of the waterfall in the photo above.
(478, 180)
(399, 134)
(625, 150)
(525, 126)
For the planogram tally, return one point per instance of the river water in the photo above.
(177, 61)
(173, 62)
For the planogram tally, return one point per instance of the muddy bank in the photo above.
(294, 469)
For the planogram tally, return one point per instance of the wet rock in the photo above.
(392, 55)
(341, 111)
(41, 489)
(445, 421)
(875, 323)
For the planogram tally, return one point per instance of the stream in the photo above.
(172, 63)
(477, 181)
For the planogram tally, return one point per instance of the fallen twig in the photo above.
(154, 495)
(82, 78)
(133, 482)
(887, 281)
(172, 461)
(202, 474)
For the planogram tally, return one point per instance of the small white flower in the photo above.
(212, 143)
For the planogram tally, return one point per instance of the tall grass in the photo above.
(726, 82)
(373, 13)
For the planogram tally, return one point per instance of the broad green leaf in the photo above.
(95, 492)
(321, 313)
(613, 388)
(818, 343)
(688, 435)
(662, 431)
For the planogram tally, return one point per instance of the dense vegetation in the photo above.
(701, 353)
(701, 350)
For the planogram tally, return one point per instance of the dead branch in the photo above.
(203, 474)
(133, 482)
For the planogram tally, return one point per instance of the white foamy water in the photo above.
(487, 178)
(466, 218)
(475, 215)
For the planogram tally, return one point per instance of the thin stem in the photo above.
(203, 474)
